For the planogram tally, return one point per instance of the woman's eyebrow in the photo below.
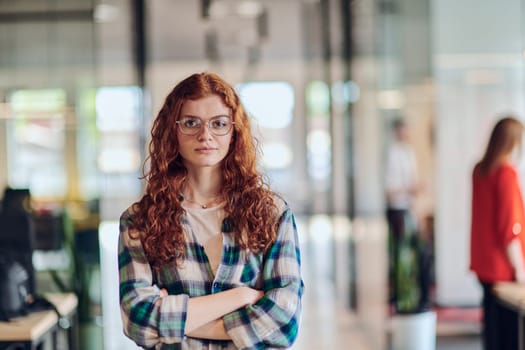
(196, 116)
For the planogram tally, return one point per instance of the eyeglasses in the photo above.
(218, 126)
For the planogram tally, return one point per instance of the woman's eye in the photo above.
(218, 124)
(191, 123)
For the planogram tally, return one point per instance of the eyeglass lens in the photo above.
(219, 125)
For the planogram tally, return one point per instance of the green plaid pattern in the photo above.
(271, 323)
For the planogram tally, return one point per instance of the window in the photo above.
(36, 141)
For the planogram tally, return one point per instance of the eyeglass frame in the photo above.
(207, 123)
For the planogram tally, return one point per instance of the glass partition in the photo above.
(36, 141)
(270, 104)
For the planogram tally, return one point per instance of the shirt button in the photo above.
(516, 229)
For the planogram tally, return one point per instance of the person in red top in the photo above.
(497, 242)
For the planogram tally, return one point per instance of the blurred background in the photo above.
(82, 80)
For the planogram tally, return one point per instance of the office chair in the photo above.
(17, 241)
(16, 201)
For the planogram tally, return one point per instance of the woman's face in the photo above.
(205, 148)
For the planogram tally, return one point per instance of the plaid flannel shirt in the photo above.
(272, 322)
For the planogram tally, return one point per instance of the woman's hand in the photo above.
(515, 255)
(520, 275)
(211, 307)
(251, 296)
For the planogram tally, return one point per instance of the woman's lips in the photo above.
(205, 149)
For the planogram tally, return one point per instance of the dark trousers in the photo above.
(396, 228)
(500, 324)
(402, 230)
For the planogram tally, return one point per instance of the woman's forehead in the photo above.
(207, 106)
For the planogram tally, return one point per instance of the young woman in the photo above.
(209, 256)
(497, 240)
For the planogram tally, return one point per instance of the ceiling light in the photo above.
(219, 9)
(390, 99)
(105, 13)
(249, 8)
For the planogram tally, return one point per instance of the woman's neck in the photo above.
(202, 186)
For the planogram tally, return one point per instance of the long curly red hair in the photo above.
(249, 201)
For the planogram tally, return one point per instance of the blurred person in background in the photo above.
(401, 187)
(401, 175)
(497, 240)
(209, 256)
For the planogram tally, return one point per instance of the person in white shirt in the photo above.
(401, 176)
(401, 188)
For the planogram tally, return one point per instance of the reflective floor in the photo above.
(329, 272)
(328, 321)
(328, 244)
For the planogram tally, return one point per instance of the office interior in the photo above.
(82, 80)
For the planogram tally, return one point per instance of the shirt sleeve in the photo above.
(274, 320)
(509, 201)
(147, 319)
(390, 175)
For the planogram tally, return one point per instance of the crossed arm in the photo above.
(204, 314)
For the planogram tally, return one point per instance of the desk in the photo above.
(513, 295)
(34, 329)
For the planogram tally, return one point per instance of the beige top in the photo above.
(206, 225)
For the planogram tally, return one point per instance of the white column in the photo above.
(114, 338)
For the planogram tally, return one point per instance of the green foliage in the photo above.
(406, 274)
(407, 277)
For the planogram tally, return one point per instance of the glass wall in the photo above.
(36, 141)
(47, 65)
(271, 106)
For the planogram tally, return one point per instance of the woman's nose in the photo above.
(204, 131)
